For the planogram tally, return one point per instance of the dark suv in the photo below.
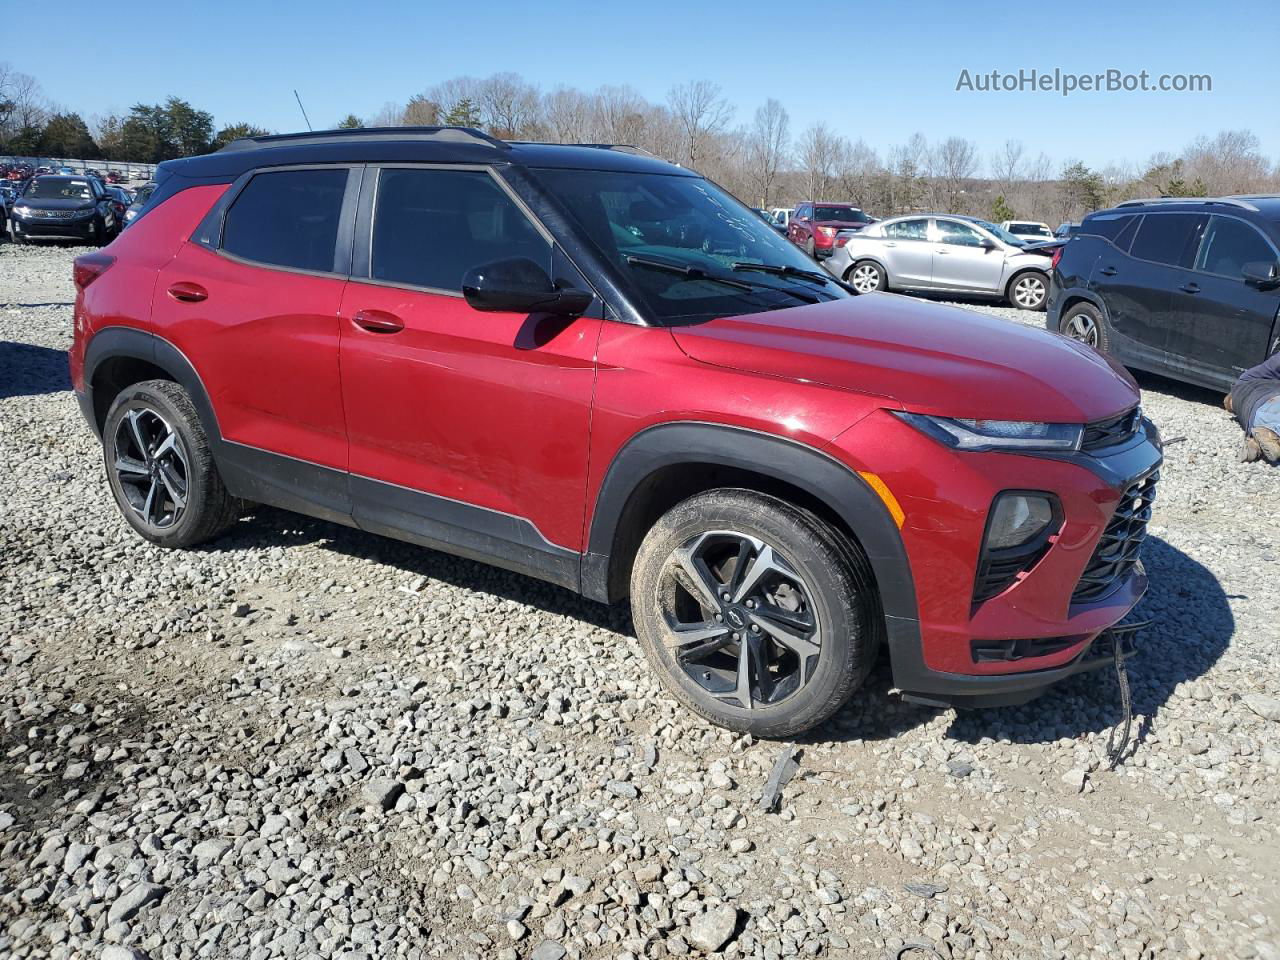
(600, 369)
(1189, 288)
(66, 207)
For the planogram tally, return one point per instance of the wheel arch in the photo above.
(667, 463)
(119, 356)
(855, 259)
(1074, 295)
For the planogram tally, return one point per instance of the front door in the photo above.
(468, 429)
(961, 262)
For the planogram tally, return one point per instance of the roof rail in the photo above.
(1227, 201)
(428, 134)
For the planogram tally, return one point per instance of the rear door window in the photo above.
(1229, 244)
(1107, 226)
(431, 226)
(287, 218)
(908, 230)
(1169, 238)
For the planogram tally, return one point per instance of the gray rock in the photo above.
(127, 905)
(1268, 708)
(381, 793)
(1075, 779)
(548, 950)
(713, 928)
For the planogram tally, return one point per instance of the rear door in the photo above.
(467, 428)
(252, 300)
(908, 252)
(1222, 325)
(1138, 287)
(961, 262)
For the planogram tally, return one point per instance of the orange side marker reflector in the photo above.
(886, 495)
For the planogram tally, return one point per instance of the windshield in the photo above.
(1030, 229)
(58, 188)
(1002, 234)
(686, 246)
(840, 215)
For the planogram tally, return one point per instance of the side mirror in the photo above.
(519, 285)
(1261, 274)
(986, 243)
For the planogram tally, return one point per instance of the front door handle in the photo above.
(186, 292)
(378, 321)
(1108, 271)
(1190, 288)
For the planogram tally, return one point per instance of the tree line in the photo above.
(758, 157)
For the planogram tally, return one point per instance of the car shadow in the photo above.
(1192, 626)
(1177, 388)
(28, 371)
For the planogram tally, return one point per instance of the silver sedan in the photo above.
(936, 253)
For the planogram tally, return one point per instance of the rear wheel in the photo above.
(1085, 322)
(160, 467)
(1028, 290)
(866, 277)
(753, 613)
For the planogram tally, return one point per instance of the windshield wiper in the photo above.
(782, 271)
(694, 273)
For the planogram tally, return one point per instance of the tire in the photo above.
(99, 233)
(1085, 322)
(167, 458)
(866, 276)
(1028, 290)
(814, 577)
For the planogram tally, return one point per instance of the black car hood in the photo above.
(55, 204)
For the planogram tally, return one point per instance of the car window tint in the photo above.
(1106, 226)
(1229, 244)
(287, 219)
(1168, 238)
(908, 230)
(431, 226)
(957, 234)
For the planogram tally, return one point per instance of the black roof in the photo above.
(1268, 205)
(410, 145)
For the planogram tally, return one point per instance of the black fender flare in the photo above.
(789, 461)
(1080, 293)
(112, 342)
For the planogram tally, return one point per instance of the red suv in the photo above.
(599, 369)
(815, 227)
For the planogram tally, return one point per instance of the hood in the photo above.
(926, 357)
(55, 204)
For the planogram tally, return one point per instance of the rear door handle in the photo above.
(187, 292)
(378, 321)
(1190, 288)
(1108, 271)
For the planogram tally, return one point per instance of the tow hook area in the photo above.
(1122, 640)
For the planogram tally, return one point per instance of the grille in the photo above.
(1117, 549)
(55, 214)
(1110, 431)
(996, 573)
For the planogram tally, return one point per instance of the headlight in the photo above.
(1015, 435)
(22, 211)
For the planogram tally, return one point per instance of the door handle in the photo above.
(378, 321)
(890, 243)
(1190, 288)
(942, 251)
(186, 292)
(1108, 271)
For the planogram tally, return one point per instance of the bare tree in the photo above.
(1006, 166)
(510, 105)
(1227, 163)
(956, 161)
(421, 111)
(568, 115)
(821, 154)
(391, 115)
(454, 91)
(861, 177)
(620, 115)
(768, 146)
(23, 106)
(701, 112)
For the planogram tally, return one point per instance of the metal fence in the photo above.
(131, 171)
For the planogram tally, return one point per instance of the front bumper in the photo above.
(66, 229)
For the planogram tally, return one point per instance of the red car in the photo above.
(815, 227)
(601, 370)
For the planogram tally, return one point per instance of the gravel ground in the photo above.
(303, 741)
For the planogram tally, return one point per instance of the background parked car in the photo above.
(140, 198)
(944, 253)
(1030, 229)
(1065, 230)
(782, 216)
(767, 217)
(122, 200)
(813, 226)
(1189, 288)
(66, 207)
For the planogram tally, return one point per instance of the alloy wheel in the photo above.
(1082, 327)
(741, 622)
(150, 465)
(865, 278)
(1029, 292)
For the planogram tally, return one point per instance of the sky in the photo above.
(876, 71)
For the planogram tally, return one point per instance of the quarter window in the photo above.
(1108, 227)
(431, 226)
(1169, 238)
(1229, 244)
(907, 230)
(287, 219)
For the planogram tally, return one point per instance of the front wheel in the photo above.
(160, 467)
(866, 277)
(1028, 290)
(1084, 322)
(754, 614)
